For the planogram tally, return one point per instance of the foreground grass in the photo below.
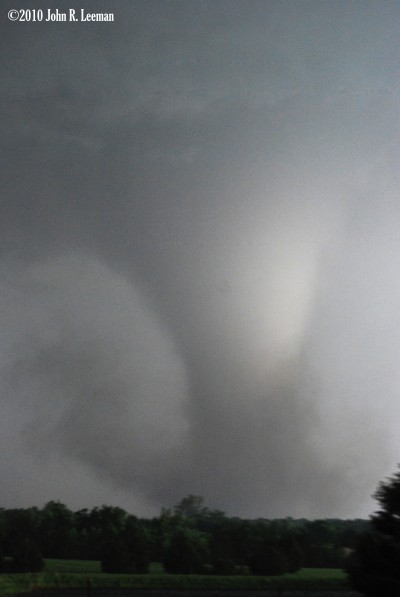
(73, 574)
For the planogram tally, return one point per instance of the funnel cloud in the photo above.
(199, 256)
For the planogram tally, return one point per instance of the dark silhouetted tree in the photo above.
(117, 558)
(267, 560)
(27, 557)
(137, 540)
(222, 557)
(57, 533)
(374, 566)
(105, 525)
(186, 552)
(293, 553)
(129, 550)
(18, 524)
(191, 506)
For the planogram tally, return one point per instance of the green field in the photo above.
(61, 574)
(64, 574)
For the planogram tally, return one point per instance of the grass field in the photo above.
(62, 574)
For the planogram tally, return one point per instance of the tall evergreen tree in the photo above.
(374, 567)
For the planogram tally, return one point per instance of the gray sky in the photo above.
(200, 246)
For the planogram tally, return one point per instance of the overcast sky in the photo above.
(200, 255)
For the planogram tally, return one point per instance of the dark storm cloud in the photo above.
(199, 239)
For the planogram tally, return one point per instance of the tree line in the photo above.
(187, 539)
